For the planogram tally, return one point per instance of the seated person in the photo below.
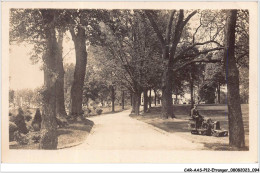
(196, 116)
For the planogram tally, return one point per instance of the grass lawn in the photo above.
(71, 135)
(179, 126)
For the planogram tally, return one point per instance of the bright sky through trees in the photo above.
(24, 74)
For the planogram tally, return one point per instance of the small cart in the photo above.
(207, 127)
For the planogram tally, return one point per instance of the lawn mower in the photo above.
(207, 127)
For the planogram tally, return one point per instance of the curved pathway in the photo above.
(120, 132)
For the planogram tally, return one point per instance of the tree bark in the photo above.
(60, 106)
(191, 90)
(49, 139)
(136, 103)
(123, 99)
(113, 98)
(167, 108)
(235, 120)
(137, 97)
(133, 102)
(145, 100)
(131, 98)
(150, 98)
(79, 40)
(155, 99)
(218, 91)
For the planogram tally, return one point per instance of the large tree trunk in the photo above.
(167, 108)
(136, 103)
(79, 40)
(150, 98)
(113, 98)
(49, 139)
(123, 99)
(131, 99)
(60, 106)
(155, 97)
(235, 121)
(191, 90)
(145, 100)
(132, 102)
(218, 91)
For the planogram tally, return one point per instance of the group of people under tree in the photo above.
(139, 50)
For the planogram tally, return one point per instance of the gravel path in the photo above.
(120, 132)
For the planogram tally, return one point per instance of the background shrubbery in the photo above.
(99, 111)
(25, 123)
(23, 127)
(92, 111)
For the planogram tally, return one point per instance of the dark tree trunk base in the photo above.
(145, 101)
(235, 120)
(79, 40)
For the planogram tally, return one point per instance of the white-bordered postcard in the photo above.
(129, 82)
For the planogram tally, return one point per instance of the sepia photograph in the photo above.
(88, 84)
